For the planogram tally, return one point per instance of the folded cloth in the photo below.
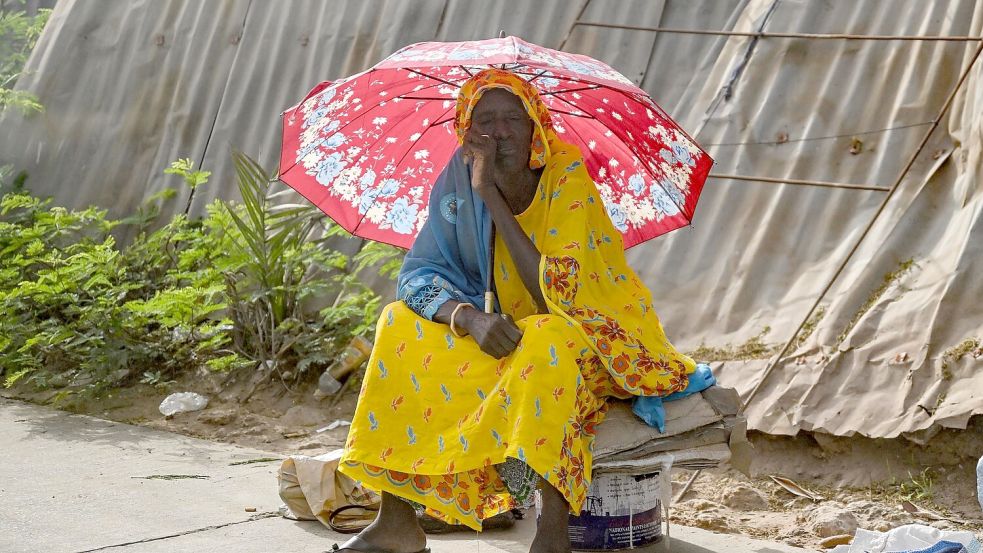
(944, 547)
(911, 538)
(650, 408)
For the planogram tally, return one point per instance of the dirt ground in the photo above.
(857, 482)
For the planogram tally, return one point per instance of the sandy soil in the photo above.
(862, 482)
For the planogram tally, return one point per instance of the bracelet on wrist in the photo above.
(454, 316)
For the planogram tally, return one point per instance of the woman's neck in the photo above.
(518, 188)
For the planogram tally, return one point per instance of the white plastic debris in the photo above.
(182, 402)
(336, 424)
(979, 482)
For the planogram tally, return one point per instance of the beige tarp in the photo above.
(131, 85)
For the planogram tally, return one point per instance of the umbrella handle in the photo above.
(489, 295)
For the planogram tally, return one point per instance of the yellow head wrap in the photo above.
(488, 79)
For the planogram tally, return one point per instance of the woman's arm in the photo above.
(482, 149)
(523, 251)
(495, 334)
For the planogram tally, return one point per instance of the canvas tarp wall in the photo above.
(131, 85)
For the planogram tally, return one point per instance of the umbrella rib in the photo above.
(587, 114)
(572, 114)
(555, 92)
(434, 78)
(631, 151)
(425, 98)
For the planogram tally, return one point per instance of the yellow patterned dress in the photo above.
(435, 413)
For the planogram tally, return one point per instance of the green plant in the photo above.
(918, 487)
(281, 260)
(81, 312)
(192, 178)
(250, 285)
(19, 33)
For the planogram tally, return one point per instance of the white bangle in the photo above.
(454, 314)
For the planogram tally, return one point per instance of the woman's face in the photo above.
(500, 114)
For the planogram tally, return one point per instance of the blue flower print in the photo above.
(677, 153)
(367, 180)
(329, 169)
(302, 153)
(335, 141)
(636, 183)
(675, 193)
(388, 188)
(662, 202)
(313, 116)
(682, 154)
(327, 96)
(402, 216)
(367, 199)
(579, 67)
(463, 54)
(618, 218)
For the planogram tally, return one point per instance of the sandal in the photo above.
(358, 545)
(353, 527)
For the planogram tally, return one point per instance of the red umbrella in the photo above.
(366, 149)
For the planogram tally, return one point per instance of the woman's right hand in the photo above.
(481, 149)
(496, 334)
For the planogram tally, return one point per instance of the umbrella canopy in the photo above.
(366, 149)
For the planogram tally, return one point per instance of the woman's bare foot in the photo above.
(551, 532)
(395, 529)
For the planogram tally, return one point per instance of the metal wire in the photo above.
(763, 34)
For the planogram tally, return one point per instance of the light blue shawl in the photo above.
(449, 259)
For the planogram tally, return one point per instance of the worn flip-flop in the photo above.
(358, 545)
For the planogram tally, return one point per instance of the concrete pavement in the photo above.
(71, 483)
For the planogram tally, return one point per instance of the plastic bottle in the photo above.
(351, 358)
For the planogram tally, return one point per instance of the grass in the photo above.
(808, 328)
(903, 268)
(918, 487)
(957, 352)
(753, 348)
(259, 460)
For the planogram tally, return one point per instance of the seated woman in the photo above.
(466, 412)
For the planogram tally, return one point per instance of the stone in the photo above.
(713, 522)
(833, 541)
(744, 497)
(828, 520)
(218, 417)
(302, 415)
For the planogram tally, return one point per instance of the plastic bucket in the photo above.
(622, 511)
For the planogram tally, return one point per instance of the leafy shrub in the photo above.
(78, 311)
(19, 33)
(228, 291)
